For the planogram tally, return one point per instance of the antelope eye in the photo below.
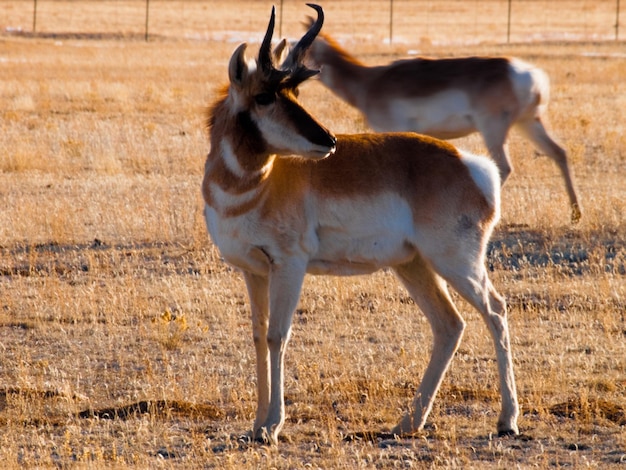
(263, 99)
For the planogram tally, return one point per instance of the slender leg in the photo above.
(431, 294)
(494, 135)
(258, 292)
(477, 289)
(285, 284)
(536, 132)
(499, 328)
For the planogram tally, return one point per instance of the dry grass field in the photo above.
(126, 342)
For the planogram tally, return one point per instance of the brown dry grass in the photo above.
(126, 342)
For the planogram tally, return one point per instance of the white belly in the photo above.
(340, 236)
(444, 115)
(360, 240)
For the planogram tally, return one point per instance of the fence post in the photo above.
(508, 24)
(280, 20)
(390, 22)
(617, 21)
(147, 14)
(35, 17)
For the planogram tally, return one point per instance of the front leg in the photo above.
(258, 292)
(285, 284)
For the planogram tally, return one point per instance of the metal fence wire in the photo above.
(387, 21)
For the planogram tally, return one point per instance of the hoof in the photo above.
(508, 432)
(261, 436)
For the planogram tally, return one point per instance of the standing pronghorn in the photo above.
(448, 98)
(348, 205)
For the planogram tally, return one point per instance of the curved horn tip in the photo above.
(272, 18)
(265, 59)
(270, 25)
(273, 15)
(318, 9)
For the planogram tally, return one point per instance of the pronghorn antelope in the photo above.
(285, 197)
(448, 98)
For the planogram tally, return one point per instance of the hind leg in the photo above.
(430, 293)
(494, 133)
(474, 285)
(536, 132)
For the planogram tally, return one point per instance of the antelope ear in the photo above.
(237, 67)
(300, 75)
(280, 52)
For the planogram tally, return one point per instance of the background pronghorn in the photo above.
(448, 98)
(349, 205)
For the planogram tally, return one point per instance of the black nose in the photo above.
(332, 140)
(323, 137)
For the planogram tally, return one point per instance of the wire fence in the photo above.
(389, 21)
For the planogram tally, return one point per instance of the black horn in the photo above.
(296, 55)
(265, 53)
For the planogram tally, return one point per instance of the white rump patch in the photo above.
(485, 174)
(529, 82)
